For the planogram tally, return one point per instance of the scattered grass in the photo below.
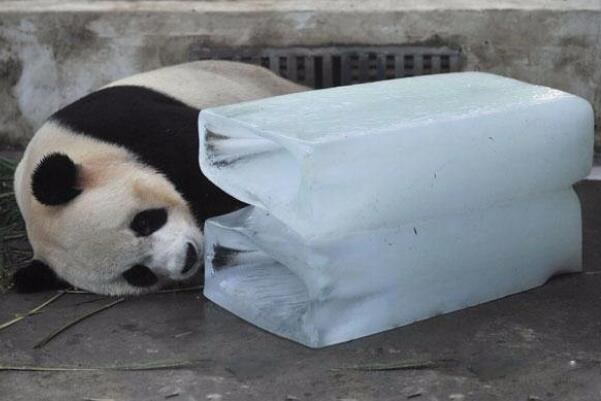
(97, 399)
(182, 289)
(133, 367)
(400, 365)
(34, 311)
(55, 333)
(168, 291)
(12, 227)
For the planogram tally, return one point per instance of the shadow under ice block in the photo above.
(377, 205)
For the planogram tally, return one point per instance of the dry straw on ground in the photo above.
(14, 251)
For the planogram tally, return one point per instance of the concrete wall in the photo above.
(52, 52)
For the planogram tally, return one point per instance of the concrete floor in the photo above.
(544, 344)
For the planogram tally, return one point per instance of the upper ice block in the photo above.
(402, 150)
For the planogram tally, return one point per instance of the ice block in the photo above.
(334, 289)
(377, 205)
(414, 148)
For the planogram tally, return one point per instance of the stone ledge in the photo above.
(293, 5)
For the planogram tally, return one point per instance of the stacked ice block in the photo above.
(377, 205)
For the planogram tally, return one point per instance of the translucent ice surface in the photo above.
(334, 289)
(381, 204)
(351, 157)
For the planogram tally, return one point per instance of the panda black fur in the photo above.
(110, 188)
(160, 130)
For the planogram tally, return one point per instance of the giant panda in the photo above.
(110, 188)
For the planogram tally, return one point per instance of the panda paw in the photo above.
(36, 277)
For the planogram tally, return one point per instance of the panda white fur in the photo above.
(110, 187)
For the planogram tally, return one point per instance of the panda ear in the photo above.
(55, 180)
(36, 277)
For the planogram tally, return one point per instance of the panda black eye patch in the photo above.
(148, 221)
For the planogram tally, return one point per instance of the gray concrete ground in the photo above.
(544, 344)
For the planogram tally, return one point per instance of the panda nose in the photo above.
(191, 258)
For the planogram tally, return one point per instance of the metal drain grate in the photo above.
(334, 66)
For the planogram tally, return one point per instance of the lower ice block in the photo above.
(327, 290)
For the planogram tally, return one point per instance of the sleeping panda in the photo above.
(110, 188)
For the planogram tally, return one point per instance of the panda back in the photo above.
(154, 115)
(210, 83)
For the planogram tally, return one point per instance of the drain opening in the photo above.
(334, 66)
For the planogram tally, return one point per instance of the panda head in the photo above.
(106, 223)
